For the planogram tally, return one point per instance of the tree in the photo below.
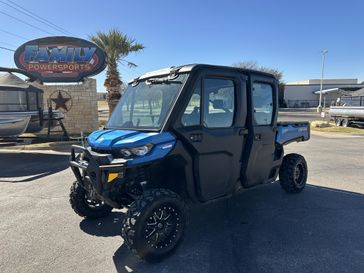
(116, 46)
(253, 65)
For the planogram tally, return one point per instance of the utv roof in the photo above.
(189, 67)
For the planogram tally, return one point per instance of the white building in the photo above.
(304, 93)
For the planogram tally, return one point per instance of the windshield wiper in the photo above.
(161, 81)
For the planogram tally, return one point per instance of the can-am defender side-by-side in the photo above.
(179, 136)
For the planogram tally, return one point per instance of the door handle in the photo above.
(243, 132)
(257, 137)
(195, 137)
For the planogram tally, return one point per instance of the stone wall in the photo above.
(83, 114)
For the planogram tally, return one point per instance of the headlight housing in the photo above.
(137, 151)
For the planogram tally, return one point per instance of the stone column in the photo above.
(83, 114)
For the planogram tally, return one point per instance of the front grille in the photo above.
(101, 151)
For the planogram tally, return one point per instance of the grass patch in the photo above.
(330, 127)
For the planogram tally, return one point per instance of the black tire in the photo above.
(338, 122)
(86, 207)
(345, 122)
(293, 173)
(154, 225)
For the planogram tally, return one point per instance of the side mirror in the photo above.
(218, 104)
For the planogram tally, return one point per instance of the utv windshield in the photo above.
(147, 104)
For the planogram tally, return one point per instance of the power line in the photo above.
(8, 49)
(26, 23)
(19, 10)
(8, 44)
(31, 16)
(38, 18)
(13, 34)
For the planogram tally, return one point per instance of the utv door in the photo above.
(212, 128)
(258, 166)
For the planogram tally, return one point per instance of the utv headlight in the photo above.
(138, 151)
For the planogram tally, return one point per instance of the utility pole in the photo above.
(323, 52)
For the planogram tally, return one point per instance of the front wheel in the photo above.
(154, 224)
(293, 173)
(84, 205)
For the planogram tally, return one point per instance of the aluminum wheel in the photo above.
(162, 227)
(155, 224)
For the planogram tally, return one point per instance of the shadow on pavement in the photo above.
(26, 167)
(104, 227)
(265, 230)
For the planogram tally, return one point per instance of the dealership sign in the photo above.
(60, 59)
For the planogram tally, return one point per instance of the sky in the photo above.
(287, 35)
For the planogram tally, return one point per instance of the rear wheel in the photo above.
(338, 121)
(345, 122)
(154, 224)
(293, 173)
(84, 205)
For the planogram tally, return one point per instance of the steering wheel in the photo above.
(128, 124)
(190, 119)
(195, 111)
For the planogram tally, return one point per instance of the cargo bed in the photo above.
(291, 131)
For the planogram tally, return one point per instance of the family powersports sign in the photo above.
(60, 59)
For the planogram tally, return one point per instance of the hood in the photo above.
(116, 139)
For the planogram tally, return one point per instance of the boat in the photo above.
(349, 108)
(347, 111)
(13, 125)
(21, 105)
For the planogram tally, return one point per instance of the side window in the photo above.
(263, 103)
(192, 114)
(13, 100)
(32, 97)
(355, 101)
(219, 100)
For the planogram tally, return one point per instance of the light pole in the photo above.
(323, 52)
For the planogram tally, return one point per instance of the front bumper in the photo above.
(93, 168)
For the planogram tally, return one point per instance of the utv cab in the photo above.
(181, 136)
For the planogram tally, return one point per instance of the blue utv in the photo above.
(180, 136)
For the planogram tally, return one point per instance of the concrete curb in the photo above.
(44, 151)
(51, 147)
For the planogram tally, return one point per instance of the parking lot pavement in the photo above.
(261, 230)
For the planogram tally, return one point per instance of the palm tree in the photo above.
(116, 46)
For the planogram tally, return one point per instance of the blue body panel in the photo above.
(163, 143)
(114, 140)
(289, 132)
